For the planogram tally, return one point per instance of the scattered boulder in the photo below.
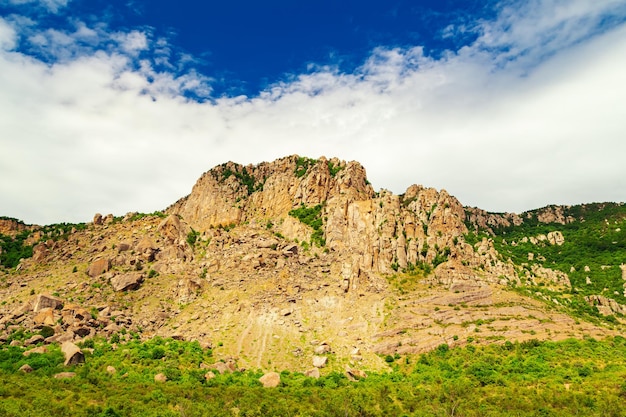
(270, 380)
(47, 301)
(34, 340)
(355, 373)
(45, 317)
(99, 267)
(209, 375)
(123, 247)
(40, 252)
(40, 350)
(65, 375)
(26, 368)
(313, 373)
(111, 370)
(319, 361)
(73, 354)
(556, 238)
(173, 230)
(160, 378)
(130, 281)
(146, 249)
(97, 219)
(322, 349)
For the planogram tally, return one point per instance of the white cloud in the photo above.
(8, 37)
(51, 5)
(515, 121)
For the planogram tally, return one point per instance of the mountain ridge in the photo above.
(265, 263)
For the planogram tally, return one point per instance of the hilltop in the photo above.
(280, 264)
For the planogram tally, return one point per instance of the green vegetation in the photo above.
(61, 231)
(244, 178)
(594, 248)
(139, 216)
(333, 170)
(192, 237)
(14, 249)
(573, 377)
(302, 166)
(311, 216)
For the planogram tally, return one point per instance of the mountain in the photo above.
(280, 264)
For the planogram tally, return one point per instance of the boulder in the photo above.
(99, 267)
(146, 249)
(209, 375)
(34, 340)
(160, 378)
(47, 301)
(173, 230)
(322, 349)
(355, 373)
(97, 219)
(111, 370)
(319, 361)
(313, 373)
(130, 281)
(40, 350)
(26, 368)
(72, 353)
(270, 380)
(45, 317)
(65, 375)
(40, 252)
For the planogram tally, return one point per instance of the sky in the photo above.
(119, 106)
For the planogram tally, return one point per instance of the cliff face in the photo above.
(265, 262)
(372, 232)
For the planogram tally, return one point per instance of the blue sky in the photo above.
(117, 106)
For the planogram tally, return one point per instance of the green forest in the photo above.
(532, 378)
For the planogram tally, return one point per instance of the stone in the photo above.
(99, 267)
(40, 350)
(47, 301)
(126, 282)
(209, 375)
(173, 230)
(313, 373)
(270, 380)
(556, 238)
(320, 361)
(34, 340)
(160, 377)
(187, 290)
(123, 247)
(97, 219)
(72, 353)
(45, 317)
(322, 349)
(356, 373)
(65, 375)
(26, 368)
(111, 370)
(221, 367)
(40, 252)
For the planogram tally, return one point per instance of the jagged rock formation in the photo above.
(261, 262)
(374, 233)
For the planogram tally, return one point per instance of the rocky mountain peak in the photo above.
(231, 194)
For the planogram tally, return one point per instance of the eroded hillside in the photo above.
(287, 263)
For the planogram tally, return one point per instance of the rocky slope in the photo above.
(281, 264)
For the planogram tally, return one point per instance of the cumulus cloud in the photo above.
(516, 120)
